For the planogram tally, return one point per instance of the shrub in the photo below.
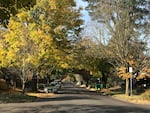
(146, 95)
(3, 84)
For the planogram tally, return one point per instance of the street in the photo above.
(72, 99)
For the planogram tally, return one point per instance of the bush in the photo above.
(146, 95)
(3, 84)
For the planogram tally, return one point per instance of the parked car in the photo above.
(58, 83)
(51, 88)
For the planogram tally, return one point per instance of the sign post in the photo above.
(130, 71)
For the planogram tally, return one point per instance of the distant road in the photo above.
(72, 99)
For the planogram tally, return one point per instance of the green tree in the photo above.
(64, 19)
(84, 57)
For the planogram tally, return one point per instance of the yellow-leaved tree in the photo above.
(28, 47)
(19, 46)
(2, 49)
(60, 20)
(122, 73)
(39, 40)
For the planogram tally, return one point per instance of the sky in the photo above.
(92, 28)
(85, 15)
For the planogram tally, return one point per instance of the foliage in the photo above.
(62, 17)
(123, 19)
(11, 7)
(3, 85)
(38, 40)
(29, 47)
(146, 95)
(16, 97)
(125, 22)
(122, 72)
(83, 57)
(144, 73)
(63, 29)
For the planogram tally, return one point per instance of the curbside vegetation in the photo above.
(119, 94)
(143, 98)
(146, 95)
(15, 98)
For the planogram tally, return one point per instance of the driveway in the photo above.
(72, 99)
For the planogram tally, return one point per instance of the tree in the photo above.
(11, 7)
(62, 17)
(30, 42)
(84, 57)
(61, 20)
(123, 19)
(27, 46)
(19, 46)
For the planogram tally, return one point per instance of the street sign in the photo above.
(130, 69)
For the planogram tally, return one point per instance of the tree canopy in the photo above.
(38, 39)
(10, 8)
(126, 24)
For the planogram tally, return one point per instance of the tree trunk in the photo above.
(23, 76)
(14, 84)
(127, 86)
(23, 87)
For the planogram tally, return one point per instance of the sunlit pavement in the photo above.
(72, 99)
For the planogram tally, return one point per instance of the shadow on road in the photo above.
(69, 88)
(72, 99)
(71, 92)
(77, 91)
(71, 108)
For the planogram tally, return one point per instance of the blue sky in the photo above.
(85, 14)
(92, 29)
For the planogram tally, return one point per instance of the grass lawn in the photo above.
(137, 99)
(118, 93)
(16, 96)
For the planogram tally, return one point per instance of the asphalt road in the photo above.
(72, 99)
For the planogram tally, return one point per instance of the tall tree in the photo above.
(62, 16)
(61, 19)
(33, 38)
(27, 46)
(84, 57)
(124, 21)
